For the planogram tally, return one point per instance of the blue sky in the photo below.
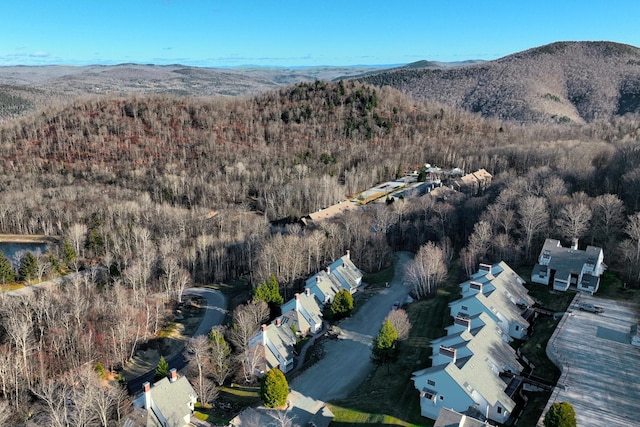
(218, 33)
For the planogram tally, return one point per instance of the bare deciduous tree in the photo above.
(400, 321)
(220, 355)
(573, 220)
(198, 355)
(533, 219)
(427, 270)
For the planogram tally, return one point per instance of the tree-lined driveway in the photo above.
(214, 314)
(347, 361)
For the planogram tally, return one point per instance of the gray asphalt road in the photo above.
(214, 315)
(347, 361)
(216, 308)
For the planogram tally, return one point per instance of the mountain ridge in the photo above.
(559, 82)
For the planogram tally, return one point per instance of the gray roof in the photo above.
(346, 273)
(309, 311)
(567, 261)
(324, 284)
(474, 369)
(451, 418)
(173, 399)
(281, 342)
(502, 289)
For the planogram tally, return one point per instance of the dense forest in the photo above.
(153, 193)
(560, 82)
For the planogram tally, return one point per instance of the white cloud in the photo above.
(39, 54)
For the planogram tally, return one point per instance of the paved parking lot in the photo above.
(600, 375)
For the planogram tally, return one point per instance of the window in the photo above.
(431, 382)
(499, 410)
(517, 327)
(441, 397)
(464, 308)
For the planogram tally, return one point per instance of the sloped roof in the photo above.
(451, 418)
(567, 261)
(309, 307)
(325, 285)
(487, 349)
(502, 289)
(281, 340)
(348, 275)
(173, 399)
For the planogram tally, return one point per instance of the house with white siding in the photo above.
(465, 371)
(168, 402)
(500, 293)
(278, 342)
(340, 274)
(303, 313)
(563, 267)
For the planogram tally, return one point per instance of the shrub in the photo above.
(342, 304)
(561, 414)
(274, 389)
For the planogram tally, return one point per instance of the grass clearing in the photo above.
(230, 401)
(380, 278)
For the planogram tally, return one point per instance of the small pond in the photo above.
(15, 251)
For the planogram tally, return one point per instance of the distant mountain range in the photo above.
(560, 82)
(26, 88)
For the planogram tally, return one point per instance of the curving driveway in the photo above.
(214, 315)
(216, 308)
(347, 361)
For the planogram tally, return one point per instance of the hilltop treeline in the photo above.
(151, 189)
(560, 82)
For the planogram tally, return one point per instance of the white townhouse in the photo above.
(465, 371)
(499, 292)
(564, 267)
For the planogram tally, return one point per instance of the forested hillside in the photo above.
(161, 191)
(561, 82)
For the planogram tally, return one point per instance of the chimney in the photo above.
(344, 264)
(462, 323)
(298, 302)
(278, 322)
(574, 244)
(173, 375)
(475, 286)
(265, 339)
(317, 278)
(146, 388)
(307, 291)
(485, 267)
(448, 352)
(328, 269)
(348, 254)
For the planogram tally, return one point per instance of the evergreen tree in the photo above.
(268, 292)
(274, 389)
(29, 268)
(162, 370)
(385, 348)
(69, 255)
(561, 414)
(7, 275)
(342, 304)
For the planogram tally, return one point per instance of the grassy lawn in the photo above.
(237, 398)
(388, 396)
(380, 278)
(613, 288)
